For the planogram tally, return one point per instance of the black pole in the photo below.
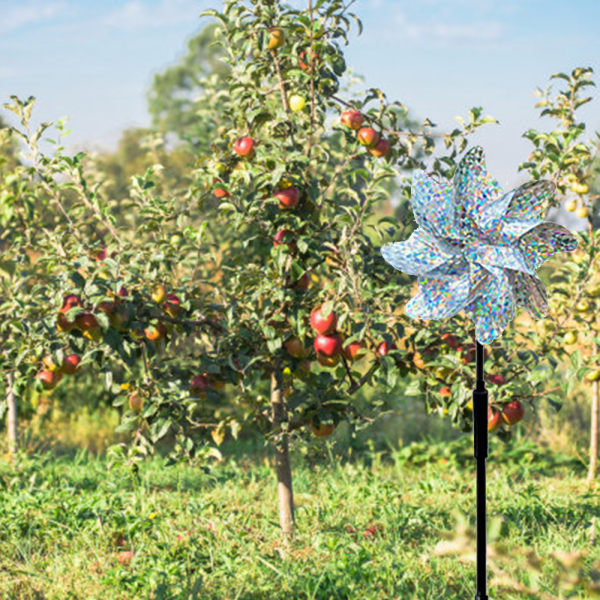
(480, 438)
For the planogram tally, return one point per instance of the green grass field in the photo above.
(367, 530)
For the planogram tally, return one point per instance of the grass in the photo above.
(366, 529)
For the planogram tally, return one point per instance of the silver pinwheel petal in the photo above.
(477, 249)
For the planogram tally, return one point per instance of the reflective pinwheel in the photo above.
(477, 249)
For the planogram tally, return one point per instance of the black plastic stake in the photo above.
(480, 438)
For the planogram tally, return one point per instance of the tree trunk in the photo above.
(11, 417)
(283, 469)
(594, 431)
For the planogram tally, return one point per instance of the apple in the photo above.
(322, 429)
(136, 402)
(159, 293)
(276, 38)
(496, 379)
(352, 349)
(88, 325)
(328, 345)
(295, 347)
(198, 385)
(119, 317)
(570, 337)
(101, 254)
(71, 301)
(593, 375)
(327, 361)
(172, 306)
(380, 149)
(63, 324)
(287, 197)
(220, 192)
(571, 205)
(353, 119)
(512, 413)
(280, 238)
(303, 283)
(125, 557)
(418, 360)
(384, 347)
(582, 212)
(244, 146)
(450, 340)
(445, 392)
(302, 57)
(322, 323)
(494, 419)
(106, 306)
(48, 379)
(155, 332)
(70, 364)
(297, 103)
(367, 136)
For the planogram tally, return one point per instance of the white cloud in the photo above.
(26, 14)
(136, 14)
(436, 31)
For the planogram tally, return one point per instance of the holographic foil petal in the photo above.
(529, 292)
(432, 204)
(528, 200)
(544, 241)
(474, 188)
(494, 309)
(498, 257)
(439, 298)
(477, 249)
(420, 253)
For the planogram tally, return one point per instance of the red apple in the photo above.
(125, 557)
(48, 379)
(497, 379)
(451, 340)
(322, 429)
(155, 332)
(106, 306)
(445, 392)
(302, 58)
(381, 148)
(198, 385)
(220, 192)
(136, 402)
(329, 345)
(494, 419)
(352, 349)
(353, 119)
(172, 305)
(63, 324)
(323, 323)
(284, 236)
(367, 136)
(244, 146)
(287, 197)
(295, 347)
(70, 301)
(512, 413)
(70, 364)
(384, 347)
(327, 361)
(303, 283)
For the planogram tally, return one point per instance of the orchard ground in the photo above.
(373, 528)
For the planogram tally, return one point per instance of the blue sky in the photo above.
(93, 60)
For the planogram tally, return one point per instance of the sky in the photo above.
(93, 60)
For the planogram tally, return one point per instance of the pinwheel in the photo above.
(477, 250)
